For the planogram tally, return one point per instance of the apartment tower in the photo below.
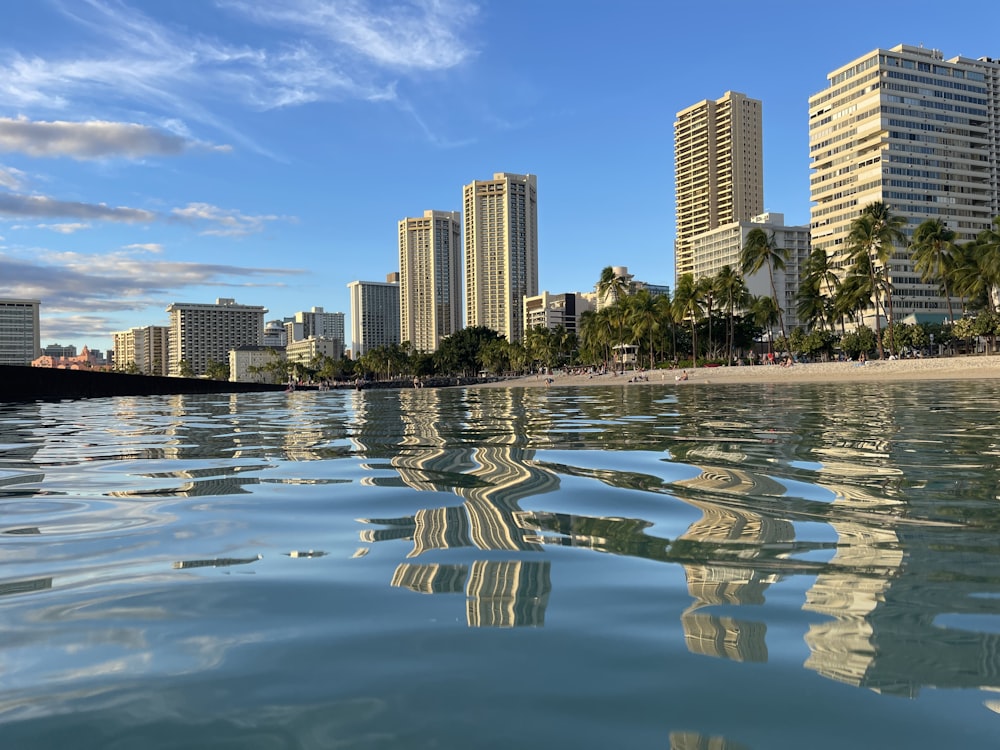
(145, 348)
(374, 314)
(20, 335)
(501, 251)
(202, 333)
(921, 134)
(718, 169)
(430, 278)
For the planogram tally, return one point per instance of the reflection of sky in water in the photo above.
(150, 547)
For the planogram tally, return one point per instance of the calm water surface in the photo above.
(641, 566)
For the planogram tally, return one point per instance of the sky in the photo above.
(155, 152)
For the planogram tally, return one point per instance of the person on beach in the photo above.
(682, 376)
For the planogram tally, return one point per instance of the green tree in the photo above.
(217, 370)
(458, 354)
(934, 253)
(184, 369)
(688, 307)
(760, 250)
(734, 296)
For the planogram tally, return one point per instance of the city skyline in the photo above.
(152, 154)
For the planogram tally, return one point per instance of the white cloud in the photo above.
(316, 51)
(40, 206)
(229, 222)
(65, 228)
(149, 247)
(399, 35)
(11, 178)
(94, 139)
(118, 281)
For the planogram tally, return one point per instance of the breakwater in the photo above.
(48, 384)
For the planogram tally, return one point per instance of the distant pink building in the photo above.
(82, 361)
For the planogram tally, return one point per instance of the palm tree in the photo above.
(819, 280)
(613, 287)
(705, 287)
(733, 293)
(873, 235)
(644, 318)
(765, 313)
(688, 306)
(934, 252)
(759, 250)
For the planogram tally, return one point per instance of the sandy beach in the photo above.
(938, 368)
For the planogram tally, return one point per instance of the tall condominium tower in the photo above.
(203, 333)
(374, 314)
(146, 348)
(718, 169)
(430, 278)
(20, 335)
(921, 134)
(501, 251)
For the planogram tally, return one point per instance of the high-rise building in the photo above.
(20, 334)
(374, 314)
(430, 278)
(146, 348)
(320, 325)
(718, 169)
(202, 333)
(501, 251)
(918, 133)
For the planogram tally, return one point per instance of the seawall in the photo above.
(48, 384)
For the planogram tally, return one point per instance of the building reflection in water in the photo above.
(492, 476)
(695, 741)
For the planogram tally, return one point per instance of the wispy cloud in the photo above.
(40, 206)
(321, 51)
(65, 228)
(403, 36)
(227, 222)
(120, 281)
(11, 178)
(148, 247)
(94, 139)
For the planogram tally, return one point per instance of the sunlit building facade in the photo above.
(201, 334)
(921, 134)
(147, 349)
(430, 278)
(374, 314)
(718, 169)
(501, 251)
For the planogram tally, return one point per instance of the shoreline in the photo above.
(969, 367)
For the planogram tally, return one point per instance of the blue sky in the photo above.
(155, 152)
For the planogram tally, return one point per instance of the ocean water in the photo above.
(635, 566)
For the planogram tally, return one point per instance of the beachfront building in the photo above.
(718, 169)
(501, 251)
(317, 324)
(20, 334)
(723, 246)
(553, 311)
(374, 314)
(918, 133)
(145, 349)
(255, 364)
(629, 284)
(430, 278)
(201, 334)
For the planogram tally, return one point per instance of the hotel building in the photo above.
(501, 251)
(374, 314)
(555, 310)
(317, 324)
(430, 278)
(724, 245)
(20, 334)
(204, 333)
(148, 348)
(719, 169)
(921, 134)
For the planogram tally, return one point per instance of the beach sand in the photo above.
(938, 368)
